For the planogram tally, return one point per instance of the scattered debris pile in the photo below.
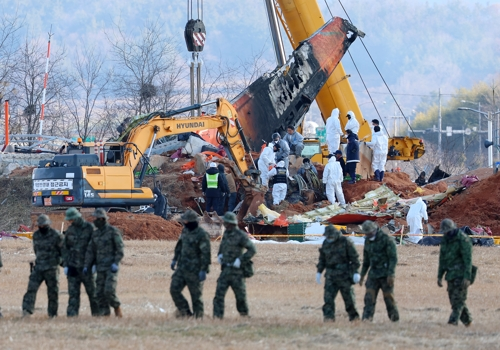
(478, 205)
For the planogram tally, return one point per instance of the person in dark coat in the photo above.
(352, 155)
(340, 159)
(160, 201)
(420, 181)
(222, 200)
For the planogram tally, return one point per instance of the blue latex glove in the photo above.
(114, 268)
(318, 277)
(172, 265)
(202, 276)
(94, 269)
(66, 270)
(85, 271)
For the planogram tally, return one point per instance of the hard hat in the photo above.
(230, 218)
(212, 165)
(368, 226)
(43, 220)
(281, 164)
(338, 152)
(72, 214)
(190, 216)
(447, 225)
(276, 136)
(100, 213)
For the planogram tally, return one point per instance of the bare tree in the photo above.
(10, 27)
(226, 80)
(28, 78)
(149, 68)
(87, 91)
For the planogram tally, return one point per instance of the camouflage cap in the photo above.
(447, 225)
(72, 214)
(368, 226)
(190, 216)
(43, 220)
(100, 213)
(331, 231)
(230, 218)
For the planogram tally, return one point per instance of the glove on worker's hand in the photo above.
(114, 268)
(66, 270)
(219, 259)
(318, 277)
(172, 265)
(237, 263)
(85, 271)
(356, 278)
(465, 283)
(440, 282)
(94, 269)
(390, 281)
(202, 276)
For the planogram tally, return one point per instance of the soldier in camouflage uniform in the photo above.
(380, 257)
(338, 255)
(231, 258)
(76, 241)
(192, 257)
(1, 265)
(455, 261)
(47, 244)
(105, 251)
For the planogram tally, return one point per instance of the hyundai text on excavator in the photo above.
(85, 180)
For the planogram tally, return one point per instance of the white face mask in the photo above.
(373, 238)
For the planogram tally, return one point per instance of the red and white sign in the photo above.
(199, 39)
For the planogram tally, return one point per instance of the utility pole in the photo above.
(439, 126)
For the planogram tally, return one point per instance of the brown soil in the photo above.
(478, 205)
(24, 171)
(145, 226)
(357, 191)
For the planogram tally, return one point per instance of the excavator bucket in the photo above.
(283, 97)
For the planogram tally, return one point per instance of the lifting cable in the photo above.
(380, 74)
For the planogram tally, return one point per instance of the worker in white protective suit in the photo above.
(417, 213)
(332, 177)
(380, 146)
(352, 122)
(280, 174)
(333, 131)
(265, 160)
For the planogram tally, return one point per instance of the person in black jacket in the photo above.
(214, 188)
(352, 155)
(340, 159)
(222, 200)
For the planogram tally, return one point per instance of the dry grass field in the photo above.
(285, 306)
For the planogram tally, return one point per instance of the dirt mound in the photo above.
(402, 185)
(478, 205)
(357, 191)
(145, 226)
(439, 187)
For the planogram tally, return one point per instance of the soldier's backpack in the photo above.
(247, 268)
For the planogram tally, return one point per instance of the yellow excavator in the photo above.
(86, 180)
(301, 18)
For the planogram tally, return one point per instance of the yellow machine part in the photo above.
(301, 18)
